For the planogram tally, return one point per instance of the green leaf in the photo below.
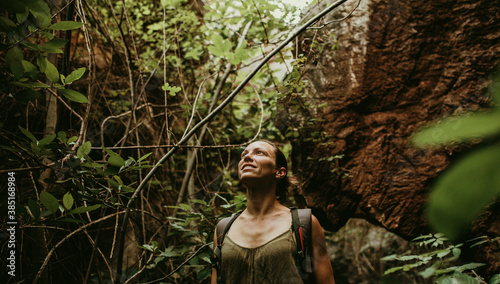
(84, 150)
(51, 72)
(31, 69)
(144, 157)
(468, 266)
(205, 273)
(41, 11)
(457, 278)
(464, 190)
(66, 25)
(152, 247)
(54, 45)
(428, 272)
(392, 270)
(41, 62)
(49, 201)
(14, 58)
(6, 25)
(495, 279)
(240, 54)
(72, 139)
(459, 129)
(30, 45)
(443, 253)
(36, 85)
(389, 257)
(172, 89)
(73, 95)
(185, 207)
(68, 200)
(27, 95)
(75, 75)
(114, 159)
(27, 134)
(46, 140)
(62, 136)
(169, 253)
(83, 209)
(21, 17)
(220, 47)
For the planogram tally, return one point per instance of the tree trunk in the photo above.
(398, 65)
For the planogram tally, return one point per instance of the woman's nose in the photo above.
(247, 157)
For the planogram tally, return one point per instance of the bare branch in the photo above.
(49, 255)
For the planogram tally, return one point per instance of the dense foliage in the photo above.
(94, 93)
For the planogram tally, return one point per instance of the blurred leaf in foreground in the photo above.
(471, 183)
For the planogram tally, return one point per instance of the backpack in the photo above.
(301, 226)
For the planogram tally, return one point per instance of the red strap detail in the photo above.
(301, 238)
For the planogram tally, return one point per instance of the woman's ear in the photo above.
(281, 173)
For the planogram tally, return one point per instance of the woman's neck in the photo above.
(261, 203)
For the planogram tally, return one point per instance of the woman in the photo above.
(260, 246)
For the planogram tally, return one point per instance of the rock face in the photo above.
(397, 65)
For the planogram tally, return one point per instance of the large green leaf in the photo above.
(49, 201)
(51, 71)
(73, 95)
(40, 10)
(47, 140)
(66, 25)
(464, 190)
(68, 200)
(14, 58)
(114, 159)
(32, 71)
(6, 25)
(240, 54)
(41, 62)
(495, 279)
(220, 46)
(457, 278)
(84, 149)
(54, 45)
(459, 129)
(27, 134)
(30, 45)
(75, 75)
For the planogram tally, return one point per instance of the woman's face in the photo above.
(258, 161)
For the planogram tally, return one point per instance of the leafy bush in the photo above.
(440, 260)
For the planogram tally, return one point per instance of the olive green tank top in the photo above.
(272, 262)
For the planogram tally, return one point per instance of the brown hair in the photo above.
(287, 183)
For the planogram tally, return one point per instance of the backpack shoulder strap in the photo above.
(220, 231)
(301, 226)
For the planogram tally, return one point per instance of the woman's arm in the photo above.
(322, 266)
(214, 271)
